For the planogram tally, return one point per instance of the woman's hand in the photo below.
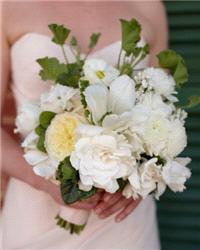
(112, 203)
(86, 204)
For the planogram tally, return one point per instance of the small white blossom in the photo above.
(98, 71)
(175, 173)
(27, 118)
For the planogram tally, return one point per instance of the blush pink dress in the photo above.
(28, 215)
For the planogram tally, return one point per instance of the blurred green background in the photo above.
(179, 214)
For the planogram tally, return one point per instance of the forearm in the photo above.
(14, 165)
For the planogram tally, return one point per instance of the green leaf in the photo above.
(73, 41)
(94, 38)
(65, 170)
(122, 183)
(87, 194)
(83, 85)
(39, 130)
(130, 34)
(126, 69)
(169, 59)
(51, 68)
(45, 118)
(40, 144)
(193, 101)
(69, 191)
(71, 76)
(60, 33)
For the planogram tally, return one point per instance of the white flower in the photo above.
(175, 173)
(42, 164)
(156, 105)
(160, 136)
(60, 135)
(27, 118)
(98, 71)
(147, 178)
(58, 99)
(176, 140)
(158, 80)
(101, 100)
(101, 159)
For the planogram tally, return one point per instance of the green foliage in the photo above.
(60, 33)
(44, 119)
(193, 101)
(51, 68)
(73, 228)
(83, 85)
(71, 76)
(73, 41)
(126, 69)
(122, 183)
(69, 178)
(130, 35)
(94, 38)
(65, 170)
(169, 59)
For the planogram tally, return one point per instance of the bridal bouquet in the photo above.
(111, 127)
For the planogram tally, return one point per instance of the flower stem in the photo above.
(119, 58)
(65, 56)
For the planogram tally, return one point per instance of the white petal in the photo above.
(122, 95)
(46, 168)
(89, 130)
(96, 97)
(117, 122)
(30, 141)
(34, 157)
(84, 187)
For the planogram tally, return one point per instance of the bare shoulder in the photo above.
(152, 15)
(19, 17)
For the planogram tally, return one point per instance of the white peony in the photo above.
(98, 71)
(27, 118)
(160, 136)
(58, 99)
(42, 164)
(175, 173)
(158, 80)
(147, 178)
(102, 101)
(101, 159)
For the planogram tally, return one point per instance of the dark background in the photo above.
(179, 214)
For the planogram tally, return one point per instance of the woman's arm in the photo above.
(13, 163)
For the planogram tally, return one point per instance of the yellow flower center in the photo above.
(100, 74)
(60, 136)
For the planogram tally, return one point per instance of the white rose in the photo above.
(147, 178)
(101, 159)
(175, 173)
(98, 71)
(58, 99)
(27, 118)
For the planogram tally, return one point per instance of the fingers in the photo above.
(107, 201)
(120, 204)
(127, 210)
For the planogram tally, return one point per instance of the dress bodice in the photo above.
(26, 82)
